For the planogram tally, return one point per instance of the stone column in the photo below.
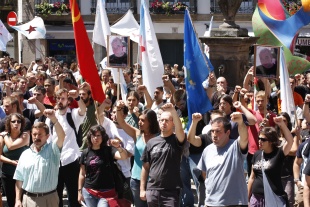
(232, 53)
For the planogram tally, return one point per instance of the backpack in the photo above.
(78, 134)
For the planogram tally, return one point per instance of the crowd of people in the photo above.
(246, 151)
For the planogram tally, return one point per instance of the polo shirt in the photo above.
(39, 170)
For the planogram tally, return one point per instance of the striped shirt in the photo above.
(39, 170)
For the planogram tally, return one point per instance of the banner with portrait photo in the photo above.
(119, 51)
(266, 61)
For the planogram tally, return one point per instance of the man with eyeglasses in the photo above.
(161, 182)
(221, 164)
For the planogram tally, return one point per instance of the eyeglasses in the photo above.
(262, 139)
(16, 121)
(308, 123)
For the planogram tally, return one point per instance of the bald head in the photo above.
(221, 81)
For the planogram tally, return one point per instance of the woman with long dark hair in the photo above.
(96, 180)
(12, 143)
(148, 129)
(265, 186)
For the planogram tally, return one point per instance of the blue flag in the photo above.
(197, 68)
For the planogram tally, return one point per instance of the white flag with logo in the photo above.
(35, 29)
(5, 36)
(127, 26)
(102, 26)
(151, 60)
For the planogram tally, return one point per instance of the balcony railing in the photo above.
(115, 6)
(247, 7)
(191, 4)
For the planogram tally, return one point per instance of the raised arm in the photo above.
(121, 153)
(210, 85)
(167, 83)
(247, 78)
(148, 98)
(250, 117)
(41, 107)
(286, 133)
(242, 129)
(306, 108)
(191, 136)
(50, 113)
(130, 130)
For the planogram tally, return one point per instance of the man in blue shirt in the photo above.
(37, 170)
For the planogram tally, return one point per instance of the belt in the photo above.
(38, 194)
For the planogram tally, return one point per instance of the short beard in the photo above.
(85, 100)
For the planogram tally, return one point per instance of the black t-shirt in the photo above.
(30, 114)
(273, 166)
(99, 172)
(164, 156)
(28, 125)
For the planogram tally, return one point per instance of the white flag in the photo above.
(35, 29)
(118, 78)
(286, 95)
(102, 26)
(151, 60)
(127, 26)
(5, 36)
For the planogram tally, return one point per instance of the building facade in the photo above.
(169, 28)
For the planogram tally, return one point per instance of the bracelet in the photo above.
(55, 122)
(296, 180)
(121, 148)
(79, 190)
(212, 86)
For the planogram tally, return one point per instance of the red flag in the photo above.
(85, 53)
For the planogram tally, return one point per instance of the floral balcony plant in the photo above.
(167, 8)
(57, 8)
(291, 6)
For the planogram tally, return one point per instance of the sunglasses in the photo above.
(262, 139)
(16, 121)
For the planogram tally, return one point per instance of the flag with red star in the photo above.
(5, 36)
(151, 60)
(35, 29)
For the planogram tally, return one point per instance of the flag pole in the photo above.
(119, 78)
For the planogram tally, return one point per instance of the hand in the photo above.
(84, 85)
(116, 142)
(143, 195)
(307, 98)
(62, 77)
(50, 113)
(73, 93)
(237, 117)
(297, 76)
(212, 79)
(165, 78)
(18, 203)
(237, 89)
(32, 100)
(220, 89)
(80, 197)
(237, 105)
(243, 91)
(32, 63)
(3, 133)
(251, 71)
(120, 105)
(7, 83)
(106, 103)
(136, 111)
(278, 120)
(196, 117)
(168, 107)
(14, 162)
(176, 66)
(142, 88)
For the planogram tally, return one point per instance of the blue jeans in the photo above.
(189, 170)
(135, 188)
(93, 201)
